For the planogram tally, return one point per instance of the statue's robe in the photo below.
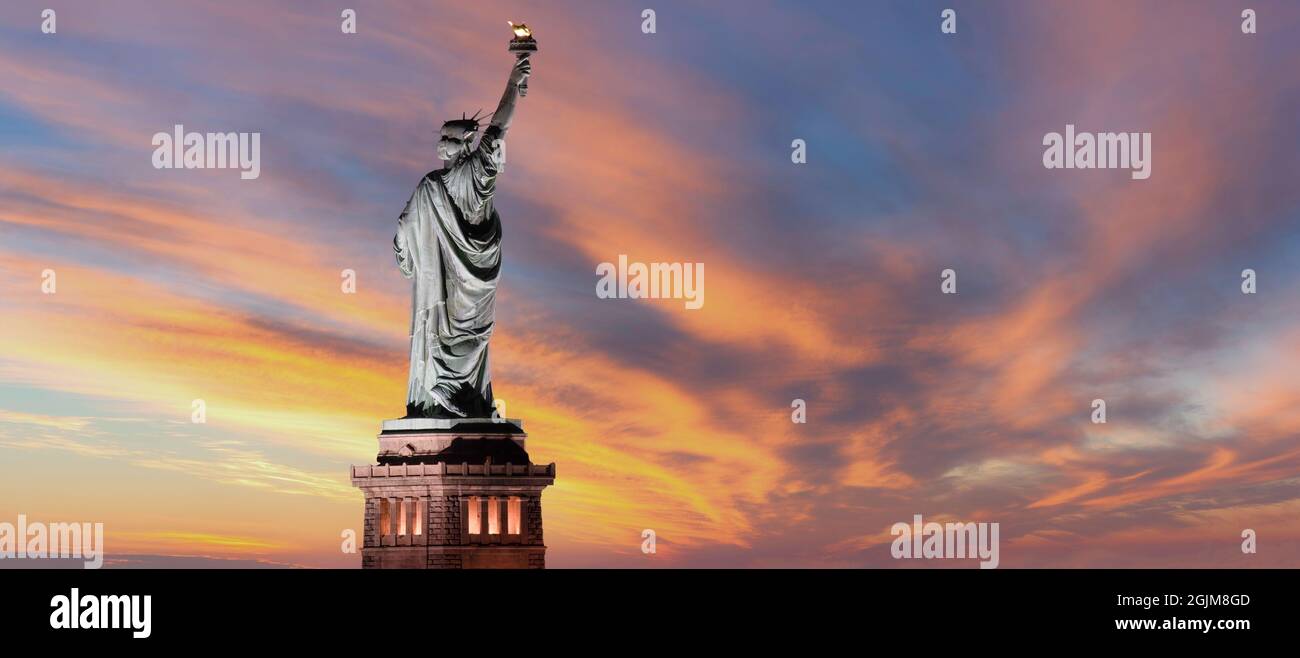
(449, 241)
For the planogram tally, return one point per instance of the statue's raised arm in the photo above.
(506, 108)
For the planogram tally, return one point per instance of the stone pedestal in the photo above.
(453, 494)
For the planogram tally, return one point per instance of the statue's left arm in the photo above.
(401, 247)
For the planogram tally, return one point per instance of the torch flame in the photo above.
(521, 30)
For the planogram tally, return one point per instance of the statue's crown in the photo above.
(469, 125)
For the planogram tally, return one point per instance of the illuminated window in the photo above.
(494, 516)
(474, 524)
(385, 519)
(403, 509)
(419, 517)
(513, 506)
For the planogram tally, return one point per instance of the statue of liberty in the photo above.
(449, 242)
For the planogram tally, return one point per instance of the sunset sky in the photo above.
(822, 279)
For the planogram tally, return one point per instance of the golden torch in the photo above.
(522, 46)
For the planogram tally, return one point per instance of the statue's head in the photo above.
(457, 137)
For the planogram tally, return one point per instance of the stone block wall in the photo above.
(370, 537)
(444, 520)
(533, 525)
